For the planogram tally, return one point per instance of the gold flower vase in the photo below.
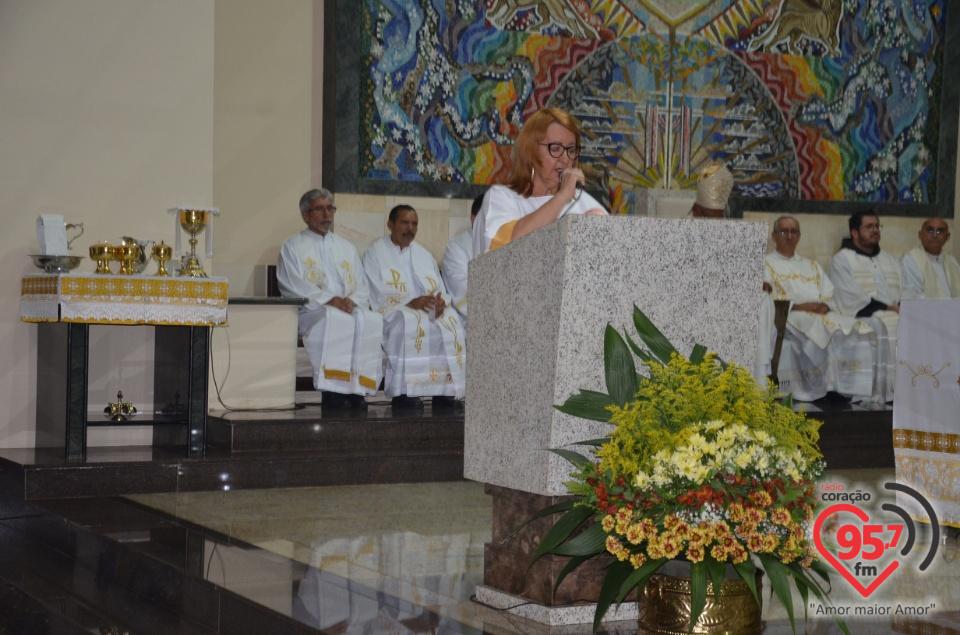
(664, 608)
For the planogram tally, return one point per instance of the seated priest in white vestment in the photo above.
(866, 284)
(340, 333)
(456, 258)
(423, 336)
(927, 272)
(822, 350)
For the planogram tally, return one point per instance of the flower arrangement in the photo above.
(702, 466)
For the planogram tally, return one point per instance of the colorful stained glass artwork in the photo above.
(819, 100)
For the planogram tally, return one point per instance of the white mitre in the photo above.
(714, 186)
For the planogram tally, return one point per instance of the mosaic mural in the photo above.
(819, 100)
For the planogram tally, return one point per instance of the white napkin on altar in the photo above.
(52, 235)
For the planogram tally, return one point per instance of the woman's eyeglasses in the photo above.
(556, 150)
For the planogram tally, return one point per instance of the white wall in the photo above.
(107, 119)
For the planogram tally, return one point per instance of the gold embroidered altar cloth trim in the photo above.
(137, 299)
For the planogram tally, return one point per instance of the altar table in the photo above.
(926, 409)
(182, 310)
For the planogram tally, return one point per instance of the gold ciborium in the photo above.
(103, 253)
(127, 255)
(193, 221)
(162, 253)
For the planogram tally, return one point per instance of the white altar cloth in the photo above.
(116, 299)
(926, 410)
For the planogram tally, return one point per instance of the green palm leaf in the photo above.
(617, 573)
(562, 530)
(660, 347)
(619, 369)
(588, 404)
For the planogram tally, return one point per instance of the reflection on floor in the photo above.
(407, 558)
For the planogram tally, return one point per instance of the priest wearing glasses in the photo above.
(927, 272)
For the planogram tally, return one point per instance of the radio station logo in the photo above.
(862, 546)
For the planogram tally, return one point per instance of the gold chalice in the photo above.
(127, 254)
(162, 253)
(102, 252)
(193, 221)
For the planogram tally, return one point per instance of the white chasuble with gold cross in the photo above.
(344, 348)
(425, 355)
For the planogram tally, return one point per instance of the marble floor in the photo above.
(407, 559)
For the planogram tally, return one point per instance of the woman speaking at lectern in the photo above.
(545, 183)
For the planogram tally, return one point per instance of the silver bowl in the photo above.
(56, 264)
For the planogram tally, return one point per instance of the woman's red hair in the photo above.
(526, 147)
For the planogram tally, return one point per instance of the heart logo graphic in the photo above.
(839, 566)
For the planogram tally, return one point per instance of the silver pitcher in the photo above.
(146, 252)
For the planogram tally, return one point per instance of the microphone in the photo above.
(579, 186)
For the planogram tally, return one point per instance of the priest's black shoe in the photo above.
(833, 398)
(446, 403)
(334, 400)
(357, 402)
(403, 402)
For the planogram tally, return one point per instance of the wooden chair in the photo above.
(781, 311)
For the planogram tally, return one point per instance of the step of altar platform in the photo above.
(260, 450)
(854, 435)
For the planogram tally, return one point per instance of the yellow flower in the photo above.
(739, 554)
(670, 544)
(736, 513)
(761, 498)
(615, 548)
(637, 560)
(780, 516)
(695, 553)
(696, 536)
(770, 542)
(719, 553)
(762, 437)
(654, 550)
(607, 523)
